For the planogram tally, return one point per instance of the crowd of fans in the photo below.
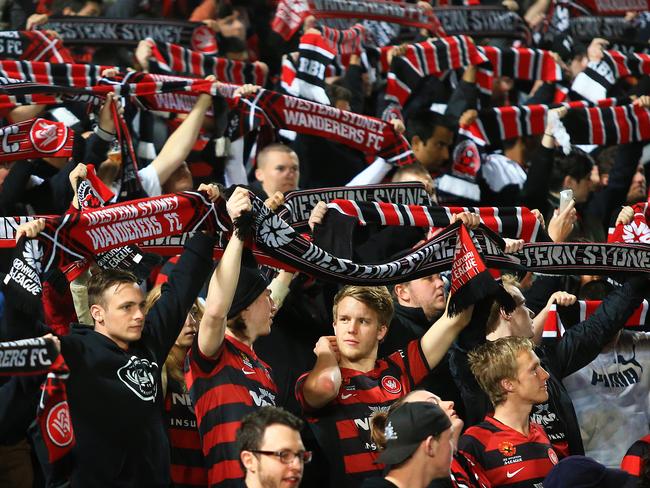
(228, 363)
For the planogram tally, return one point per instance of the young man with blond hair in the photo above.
(348, 382)
(510, 449)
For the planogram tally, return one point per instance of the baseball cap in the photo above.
(585, 472)
(407, 426)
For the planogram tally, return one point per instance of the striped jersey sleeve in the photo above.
(633, 459)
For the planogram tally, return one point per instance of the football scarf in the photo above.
(290, 14)
(519, 64)
(92, 193)
(512, 222)
(561, 318)
(603, 125)
(366, 134)
(82, 235)
(172, 58)
(53, 418)
(100, 31)
(36, 138)
(24, 276)
(76, 75)
(481, 21)
(636, 231)
(87, 233)
(27, 356)
(33, 46)
(471, 281)
(346, 41)
(315, 54)
(299, 204)
(432, 57)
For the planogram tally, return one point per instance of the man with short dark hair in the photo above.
(270, 448)
(431, 136)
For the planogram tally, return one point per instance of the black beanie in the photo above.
(251, 285)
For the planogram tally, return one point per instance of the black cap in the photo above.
(251, 285)
(407, 426)
(584, 472)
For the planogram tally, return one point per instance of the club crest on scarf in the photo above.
(467, 160)
(204, 40)
(59, 425)
(635, 231)
(47, 136)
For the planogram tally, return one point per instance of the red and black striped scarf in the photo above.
(39, 356)
(290, 14)
(562, 317)
(77, 75)
(367, 134)
(315, 54)
(33, 46)
(36, 138)
(604, 125)
(172, 58)
(512, 222)
(518, 63)
(432, 57)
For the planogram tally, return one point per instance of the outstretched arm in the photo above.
(221, 290)
(180, 143)
(442, 334)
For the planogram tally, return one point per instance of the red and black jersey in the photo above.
(187, 462)
(633, 460)
(223, 390)
(342, 428)
(507, 457)
(465, 475)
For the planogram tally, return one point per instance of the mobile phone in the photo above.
(565, 198)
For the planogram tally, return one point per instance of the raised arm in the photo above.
(442, 334)
(223, 282)
(180, 143)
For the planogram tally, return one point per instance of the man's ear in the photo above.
(505, 315)
(416, 142)
(97, 313)
(381, 333)
(259, 175)
(430, 446)
(508, 385)
(402, 292)
(248, 460)
(569, 182)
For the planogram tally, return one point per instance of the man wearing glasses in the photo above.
(271, 450)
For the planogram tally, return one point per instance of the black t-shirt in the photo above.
(378, 483)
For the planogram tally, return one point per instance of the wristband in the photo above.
(104, 135)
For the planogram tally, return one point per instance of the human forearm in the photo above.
(323, 382)
(180, 143)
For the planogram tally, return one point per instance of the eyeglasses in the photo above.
(287, 456)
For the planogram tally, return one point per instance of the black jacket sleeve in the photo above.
(165, 320)
(464, 97)
(539, 174)
(18, 402)
(353, 82)
(584, 341)
(95, 150)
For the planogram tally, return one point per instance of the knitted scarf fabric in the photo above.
(100, 31)
(290, 14)
(172, 58)
(367, 134)
(33, 46)
(35, 138)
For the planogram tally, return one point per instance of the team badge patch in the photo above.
(391, 384)
(507, 449)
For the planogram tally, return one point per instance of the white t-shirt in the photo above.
(149, 180)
